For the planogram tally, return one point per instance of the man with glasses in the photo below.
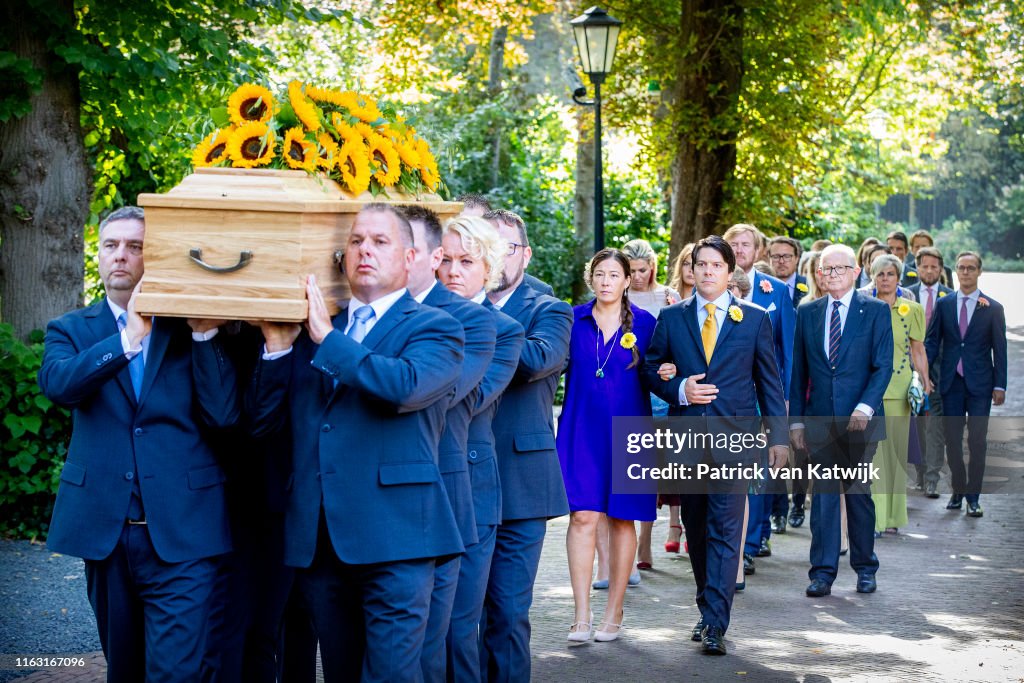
(842, 363)
(784, 254)
(968, 333)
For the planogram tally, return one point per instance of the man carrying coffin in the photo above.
(365, 395)
(141, 496)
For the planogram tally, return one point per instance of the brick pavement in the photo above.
(949, 607)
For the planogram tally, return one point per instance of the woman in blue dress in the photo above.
(609, 339)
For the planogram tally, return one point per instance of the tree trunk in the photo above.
(705, 100)
(44, 187)
(496, 65)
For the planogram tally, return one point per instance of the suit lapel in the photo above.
(401, 308)
(727, 326)
(818, 328)
(854, 318)
(979, 310)
(518, 301)
(691, 323)
(102, 324)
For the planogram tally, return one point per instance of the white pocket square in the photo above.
(771, 308)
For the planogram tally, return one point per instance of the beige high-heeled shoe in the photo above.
(582, 632)
(603, 635)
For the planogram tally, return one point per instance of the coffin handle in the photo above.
(196, 254)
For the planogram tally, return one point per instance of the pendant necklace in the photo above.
(597, 352)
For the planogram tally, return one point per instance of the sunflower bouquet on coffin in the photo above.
(363, 145)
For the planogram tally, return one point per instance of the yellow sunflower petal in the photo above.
(251, 145)
(327, 152)
(213, 149)
(385, 159)
(354, 167)
(250, 102)
(298, 152)
(304, 109)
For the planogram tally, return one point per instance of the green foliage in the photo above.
(33, 439)
(955, 236)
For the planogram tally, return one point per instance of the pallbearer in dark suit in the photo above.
(928, 292)
(968, 332)
(366, 395)
(842, 359)
(141, 495)
(479, 329)
(473, 262)
(531, 477)
(713, 355)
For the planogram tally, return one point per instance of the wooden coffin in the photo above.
(238, 244)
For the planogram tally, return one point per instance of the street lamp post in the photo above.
(597, 34)
(878, 125)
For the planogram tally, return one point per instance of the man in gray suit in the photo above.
(928, 291)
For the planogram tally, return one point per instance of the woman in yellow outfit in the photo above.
(890, 490)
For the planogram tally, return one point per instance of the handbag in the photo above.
(915, 393)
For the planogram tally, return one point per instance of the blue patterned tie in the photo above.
(361, 316)
(835, 333)
(137, 365)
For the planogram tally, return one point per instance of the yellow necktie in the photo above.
(708, 332)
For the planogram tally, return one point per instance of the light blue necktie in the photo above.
(361, 316)
(137, 365)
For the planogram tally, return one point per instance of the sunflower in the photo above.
(628, 340)
(251, 145)
(327, 152)
(363, 107)
(428, 167)
(298, 152)
(354, 167)
(365, 130)
(903, 309)
(406, 148)
(304, 109)
(213, 149)
(736, 313)
(346, 133)
(250, 103)
(383, 155)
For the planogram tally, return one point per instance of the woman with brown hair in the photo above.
(609, 339)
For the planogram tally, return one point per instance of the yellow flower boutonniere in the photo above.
(903, 309)
(911, 273)
(801, 287)
(736, 313)
(942, 294)
(628, 340)
(983, 302)
(766, 287)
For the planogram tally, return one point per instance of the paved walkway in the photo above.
(950, 606)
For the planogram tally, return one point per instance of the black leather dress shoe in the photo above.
(748, 565)
(931, 489)
(974, 509)
(796, 517)
(866, 584)
(778, 524)
(712, 641)
(695, 634)
(766, 548)
(819, 588)
(956, 501)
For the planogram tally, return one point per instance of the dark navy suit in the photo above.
(783, 318)
(744, 368)
(149, 585)
(860, 375)
(930, 427)
(463, 638)
(531, 482)
(967, 398)
(538, 284)
(367, 514)
(480, 331)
